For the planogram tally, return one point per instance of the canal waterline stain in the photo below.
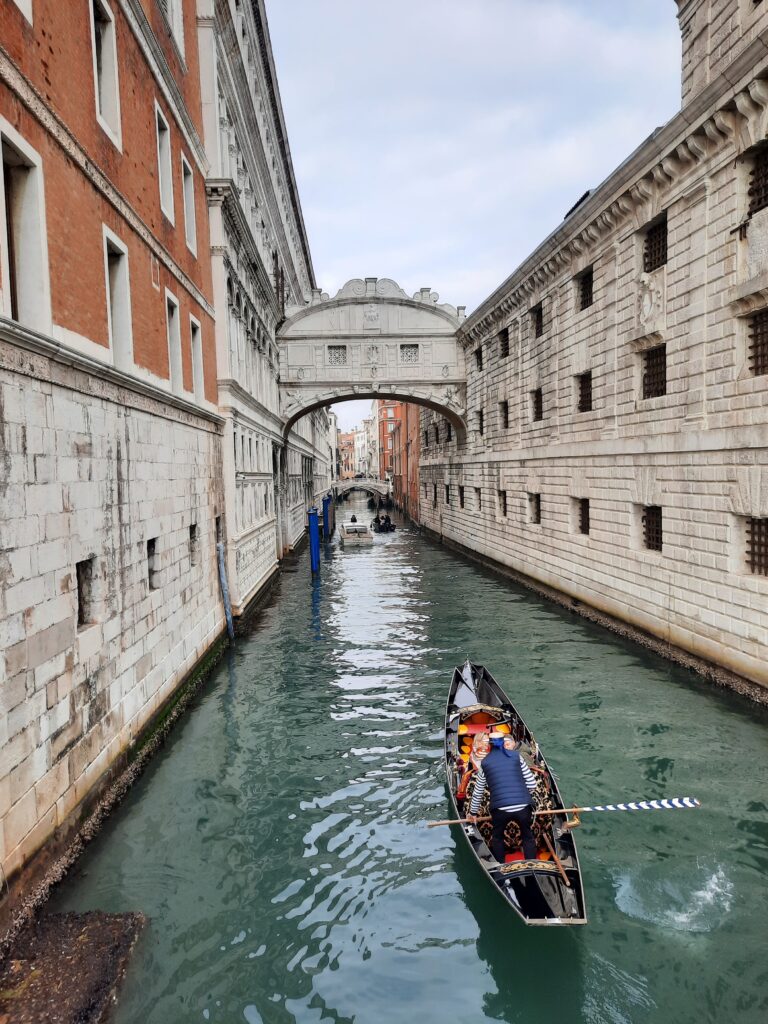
(278, 844)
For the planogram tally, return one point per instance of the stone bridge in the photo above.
(375, 486)
(372, 340)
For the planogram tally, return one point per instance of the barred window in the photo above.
(504, 342)
(537, 319)
(434, 495)
(461, 496)
(503, 503)
(584, 515)
(757, 354)
(409, 353)
(757, 545)
(758, 181)
(534, 508)
(585, 391)
(478, 499)
(652, 527)
(337, 355)
(655, 246)
(480, 421)
(447, 494)
(448, 431)
(655, 372)
(585, 283)
(504, 415)
(537, 404)
(426, 439)
(437, 433)
(479, 357)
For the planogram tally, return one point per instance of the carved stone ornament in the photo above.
(300, 373)
(650, 299)
(373, 353)
(445, 371)
(371, 315)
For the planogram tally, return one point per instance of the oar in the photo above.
(669, 804)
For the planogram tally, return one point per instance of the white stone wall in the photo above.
(698, 451)
(91, 469)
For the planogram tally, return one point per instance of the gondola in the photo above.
(545, 891)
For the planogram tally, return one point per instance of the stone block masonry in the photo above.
(110, 593)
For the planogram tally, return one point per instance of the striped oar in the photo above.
(671, 803)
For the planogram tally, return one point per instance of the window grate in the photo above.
(447, 494)
(480, 421)
(479, 357)
(448, 431)
(537, 404)
(426, 439)
(534, 508)
(652, 527)
(409, 353)
(537, 319)
(503, 503)
(758, 181)
(584, 515)
(655, 246)
(337, 355)
(757, 545)
(504, 342)
(758, 343)
(585, 391)
(655, 372)
(586, 284)
(478, 499)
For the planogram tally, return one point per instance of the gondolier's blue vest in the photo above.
(504, 776)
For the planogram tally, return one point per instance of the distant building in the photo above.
(405, 467)
(347, 455)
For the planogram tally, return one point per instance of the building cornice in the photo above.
(729, 111)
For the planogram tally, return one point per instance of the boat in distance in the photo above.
(544, 891)
(355, 535)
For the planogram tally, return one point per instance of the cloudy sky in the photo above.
(437, 142)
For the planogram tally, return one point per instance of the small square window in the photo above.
(504, 415)
(534, 508)
(757, 545)
(757, 353)
(84, 572)
(537, 320)
(409, 353)
(447, 494)
(583, 515)
(584, 381)
(478, 499)
(479, 357)
(503, 503)
(655, 246)
(655, 372)
(337, 355)
(652, 527)
(537, 404)
(504, 342)
(585, 284)
(461, 496)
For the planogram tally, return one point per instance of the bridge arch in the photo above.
(372, 340)
(379, 487)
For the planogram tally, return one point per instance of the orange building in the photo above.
(389, 415)
(405, 463)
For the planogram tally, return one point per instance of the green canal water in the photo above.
(278, 842)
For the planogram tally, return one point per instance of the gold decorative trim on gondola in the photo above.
(528, 865)
(472, 709)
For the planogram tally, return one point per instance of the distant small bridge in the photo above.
(371, 485)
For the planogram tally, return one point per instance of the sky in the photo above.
(438, 142)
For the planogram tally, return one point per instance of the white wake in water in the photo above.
(695, 901)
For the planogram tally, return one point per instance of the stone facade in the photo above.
(616, 397)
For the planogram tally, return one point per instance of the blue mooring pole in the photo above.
(326, 518)
(314, 540)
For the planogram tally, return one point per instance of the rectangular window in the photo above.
(652, 527)
(337, 355)
(409, 354)
(461, 496)
(503, 342)
(119, 323)
(196, 342)
(436, 430)
(434, 495)
(478, 499)
(105, 69)
(503, 503)
(757, 353)
(585, 283)
(655, 246)
(174, 343)
(504, 415)
(480, 422)
(188, 191)
(584, 381)
(534, 508)
(153, 568)
(426, 439)
(24, 277)
(447, 494)
(758, 181)
(757, 545)
(537, 320)
(84, 572)
(194, 544)
(448, 431)
(164, 172)
(174, 15)
(655, 372)
(479, 357)
(584, 515)
(537, 404)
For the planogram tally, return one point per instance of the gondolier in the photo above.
(511, 783)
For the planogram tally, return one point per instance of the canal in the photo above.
(277, 842)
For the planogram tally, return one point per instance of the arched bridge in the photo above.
(375, 486)
(372, 340)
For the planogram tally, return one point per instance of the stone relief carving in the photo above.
(650, 298)
(371, 316)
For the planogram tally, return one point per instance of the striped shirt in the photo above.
(481, 784)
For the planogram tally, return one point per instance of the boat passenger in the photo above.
(387, 522)
(512, 783)
(481, 746)
(353, 519)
